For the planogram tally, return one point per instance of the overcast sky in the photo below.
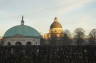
(40, 14)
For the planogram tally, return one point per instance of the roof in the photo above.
(55, 24)
(22, 30)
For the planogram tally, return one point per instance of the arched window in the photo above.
(9, 43)
(36, 43)
(18, 43)
(28, 43)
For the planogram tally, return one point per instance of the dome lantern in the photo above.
(56, 19)
(22, 21)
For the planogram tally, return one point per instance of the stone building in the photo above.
(56, 33)
(56, 30)
(21, 34)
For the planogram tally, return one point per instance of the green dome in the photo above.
(22, 30)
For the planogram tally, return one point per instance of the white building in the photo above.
(21, 34)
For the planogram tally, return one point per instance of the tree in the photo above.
(92, 37)
(68, 33)
(67, 38)
(79, 36)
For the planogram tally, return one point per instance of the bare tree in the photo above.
(79, 36)
(92, 37)
(68, 33)
(67, 38)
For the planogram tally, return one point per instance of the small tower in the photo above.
(22, 21)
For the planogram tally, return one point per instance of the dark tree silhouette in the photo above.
(92, 37)
(53, 41)
(68, 33)
(42, 41)
(79, 36)
(67, 38)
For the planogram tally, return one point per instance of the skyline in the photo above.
(71, 13)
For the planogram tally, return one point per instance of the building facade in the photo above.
(55, 30)
(55, 35)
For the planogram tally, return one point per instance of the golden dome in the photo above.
(55, 24)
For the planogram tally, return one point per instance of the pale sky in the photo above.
(39, 14)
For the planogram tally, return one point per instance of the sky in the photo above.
(39, 14)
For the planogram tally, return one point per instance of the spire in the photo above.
(22, 21)
(56, 19)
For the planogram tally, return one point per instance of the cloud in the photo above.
(44, 10)
(88, 22)
(85, 22)
(66, 6)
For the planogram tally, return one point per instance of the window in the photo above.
(28, 43)
(18, 43)
(9, 43)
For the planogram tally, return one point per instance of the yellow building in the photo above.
(56, 30)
